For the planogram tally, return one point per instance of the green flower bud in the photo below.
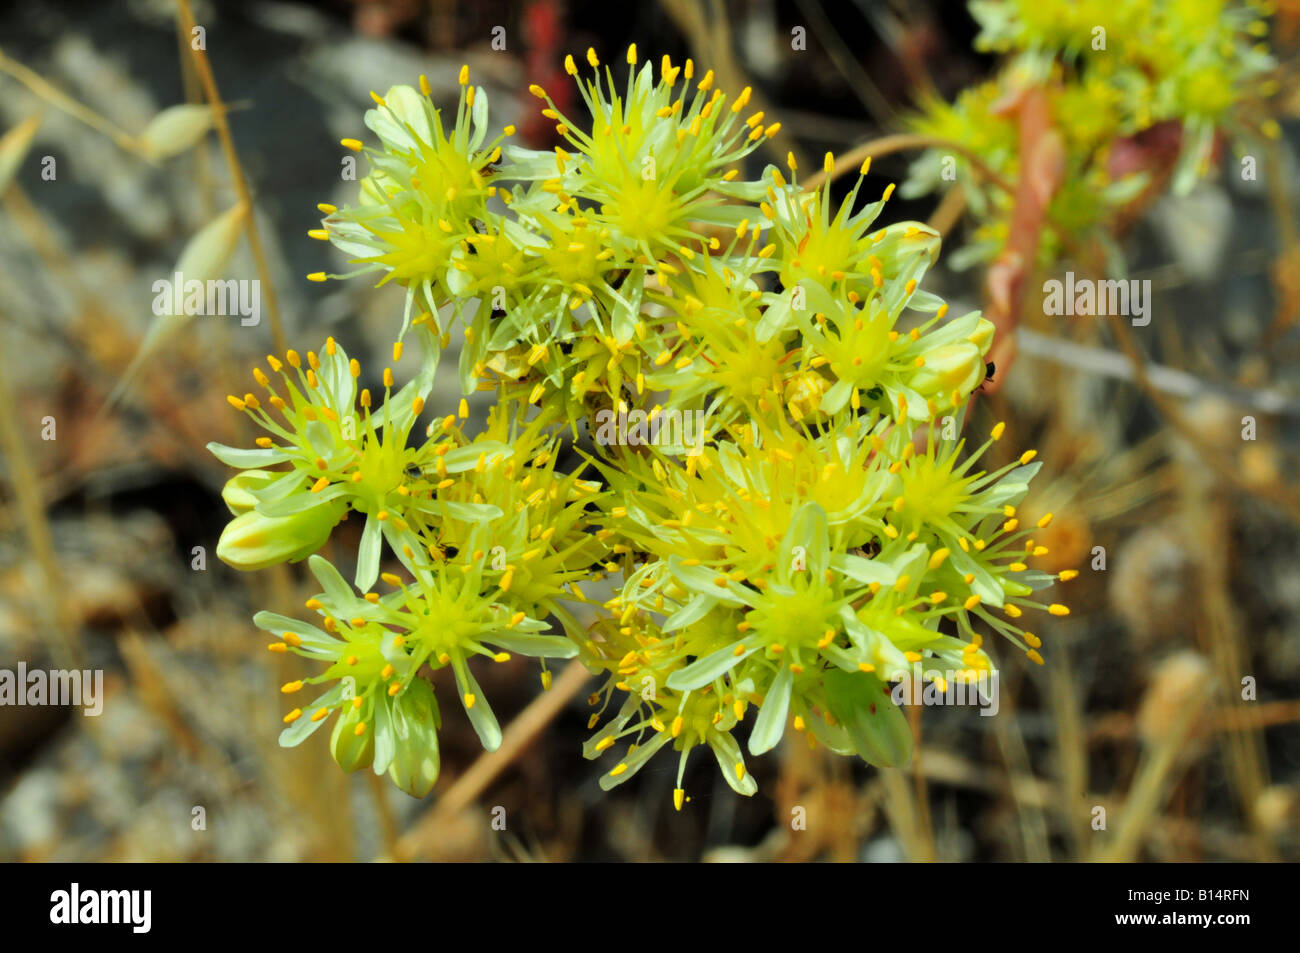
(952, 367)
(237, 492)
(352, 751)
(982, 337)
(876, 729)
(254, 541)
(414, 718)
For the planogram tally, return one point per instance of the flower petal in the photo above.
(770, 725)
(246, 458)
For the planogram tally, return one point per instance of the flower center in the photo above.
(382, 469)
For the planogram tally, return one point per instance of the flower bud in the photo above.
(237, 493)
(254, 541)
(416, 761)
(951, 367)
(352, 751)
(875, 727)
(982, 336)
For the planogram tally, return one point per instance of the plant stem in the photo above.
(206, 78)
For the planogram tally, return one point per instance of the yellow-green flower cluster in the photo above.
(817, 529)
(1112, 70)
(796, 569)
(487, 533)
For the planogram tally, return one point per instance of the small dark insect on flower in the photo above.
(989, 368)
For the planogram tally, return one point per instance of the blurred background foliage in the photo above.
(1139, 710)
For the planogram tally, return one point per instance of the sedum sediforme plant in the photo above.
(774, 516)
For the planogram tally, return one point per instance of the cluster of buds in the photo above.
(824, 530)
(1141, 93)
